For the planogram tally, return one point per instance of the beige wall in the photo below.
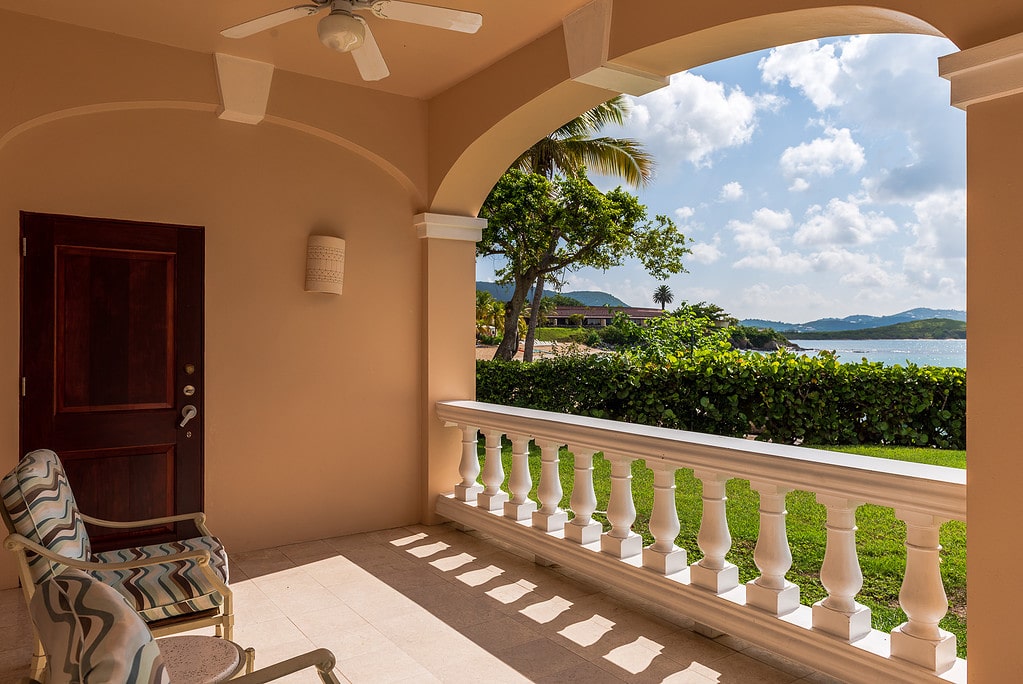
(312, 403)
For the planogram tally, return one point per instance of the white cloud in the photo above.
(773, 259)
(823, 156)
(842, 223)
(731, 192)
(706, 252)
(799, 185)
(756, 235)
(683, 213)
(937, 260)
(857, 269)
(692, 118)
(810, 67)
(777, 303)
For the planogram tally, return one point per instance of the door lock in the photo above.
(188, 412)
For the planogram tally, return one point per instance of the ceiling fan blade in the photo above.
(248, 28)
(428, 15)
(368, 59)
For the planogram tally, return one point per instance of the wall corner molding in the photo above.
(587, 37)
(985, 72)
(244, 86)
(448, 227)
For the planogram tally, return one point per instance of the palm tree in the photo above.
(573, 147)
(663, 296)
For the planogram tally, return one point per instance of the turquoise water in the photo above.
(949, 353)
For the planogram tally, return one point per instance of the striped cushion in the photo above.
(168, 589)
(91, 635)
(39, 503)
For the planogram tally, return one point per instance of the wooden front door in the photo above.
(112, 359)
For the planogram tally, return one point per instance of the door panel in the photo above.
(112, 334)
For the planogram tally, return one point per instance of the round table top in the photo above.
(197, 659)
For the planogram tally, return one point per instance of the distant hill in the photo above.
(588, 298)
(928, 329)
(859, 322)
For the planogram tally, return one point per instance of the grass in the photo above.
(562, 335)
(880, 538)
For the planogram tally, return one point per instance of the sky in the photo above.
(824, 178)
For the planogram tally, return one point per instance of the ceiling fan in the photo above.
(344, 31)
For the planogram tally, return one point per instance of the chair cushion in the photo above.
(39, 504)
(91, 635)
(166, 589)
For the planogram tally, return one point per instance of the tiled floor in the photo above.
(432, 604)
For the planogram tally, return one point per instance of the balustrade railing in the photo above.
(833, 636)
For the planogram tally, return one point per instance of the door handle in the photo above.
(188, 412)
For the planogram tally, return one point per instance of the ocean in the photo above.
(948, 353)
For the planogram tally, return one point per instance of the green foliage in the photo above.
(576, 320)
(745, 337)
(559, 299)
(929, 329)
(562, 335)
(782, 397)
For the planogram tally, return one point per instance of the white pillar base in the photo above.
(491, 502)
(622, 548)
(937, 656)
(774, 601)
(521, 511)
(584, 534)
(464, 493)
(718, 581)
(550, 522)
(666, 563)
(849, 626)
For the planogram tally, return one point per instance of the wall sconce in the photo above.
(325, 264)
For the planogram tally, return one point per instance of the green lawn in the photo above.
(880, 538)
(562, 335)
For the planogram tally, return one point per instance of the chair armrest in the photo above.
(15, 542)
(321, 659)
(198, 518)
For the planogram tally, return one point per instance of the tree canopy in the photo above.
(542, 226)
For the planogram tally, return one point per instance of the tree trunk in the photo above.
(534, 317)
(512, 310)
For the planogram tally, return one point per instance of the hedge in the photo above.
(782, 397)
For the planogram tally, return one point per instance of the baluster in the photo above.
(550, 517)
(583, 529)
(469, 467)
(663, 556)
(621, 541)
(713, 571)
(771, 591)
(520, 507)
(919, 640)
(492, 498)
(839, 614)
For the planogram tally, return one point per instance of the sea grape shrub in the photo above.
(782, 397)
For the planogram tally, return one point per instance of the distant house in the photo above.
(599, 316)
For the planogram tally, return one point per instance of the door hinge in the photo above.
(23, 386)
(24, 246)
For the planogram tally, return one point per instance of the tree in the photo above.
(542, 226)
(663, 296)
(574, 147)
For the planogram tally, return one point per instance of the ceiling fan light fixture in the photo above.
(341, 31)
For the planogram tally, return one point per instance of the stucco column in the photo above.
(448, 342)
(987, 81)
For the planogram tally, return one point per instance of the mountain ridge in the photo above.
(857, 321)
(587, 297)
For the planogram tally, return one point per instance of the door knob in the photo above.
(188, 412)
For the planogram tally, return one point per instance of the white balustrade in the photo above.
(764, 611)
(492, 498)
(550, 517)
(713, 571)
(583, 529)
(771, 591)
(839, 614)
(923, 598)
(468, 466)
(520, 506)
(663, 556)
(620, 541)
